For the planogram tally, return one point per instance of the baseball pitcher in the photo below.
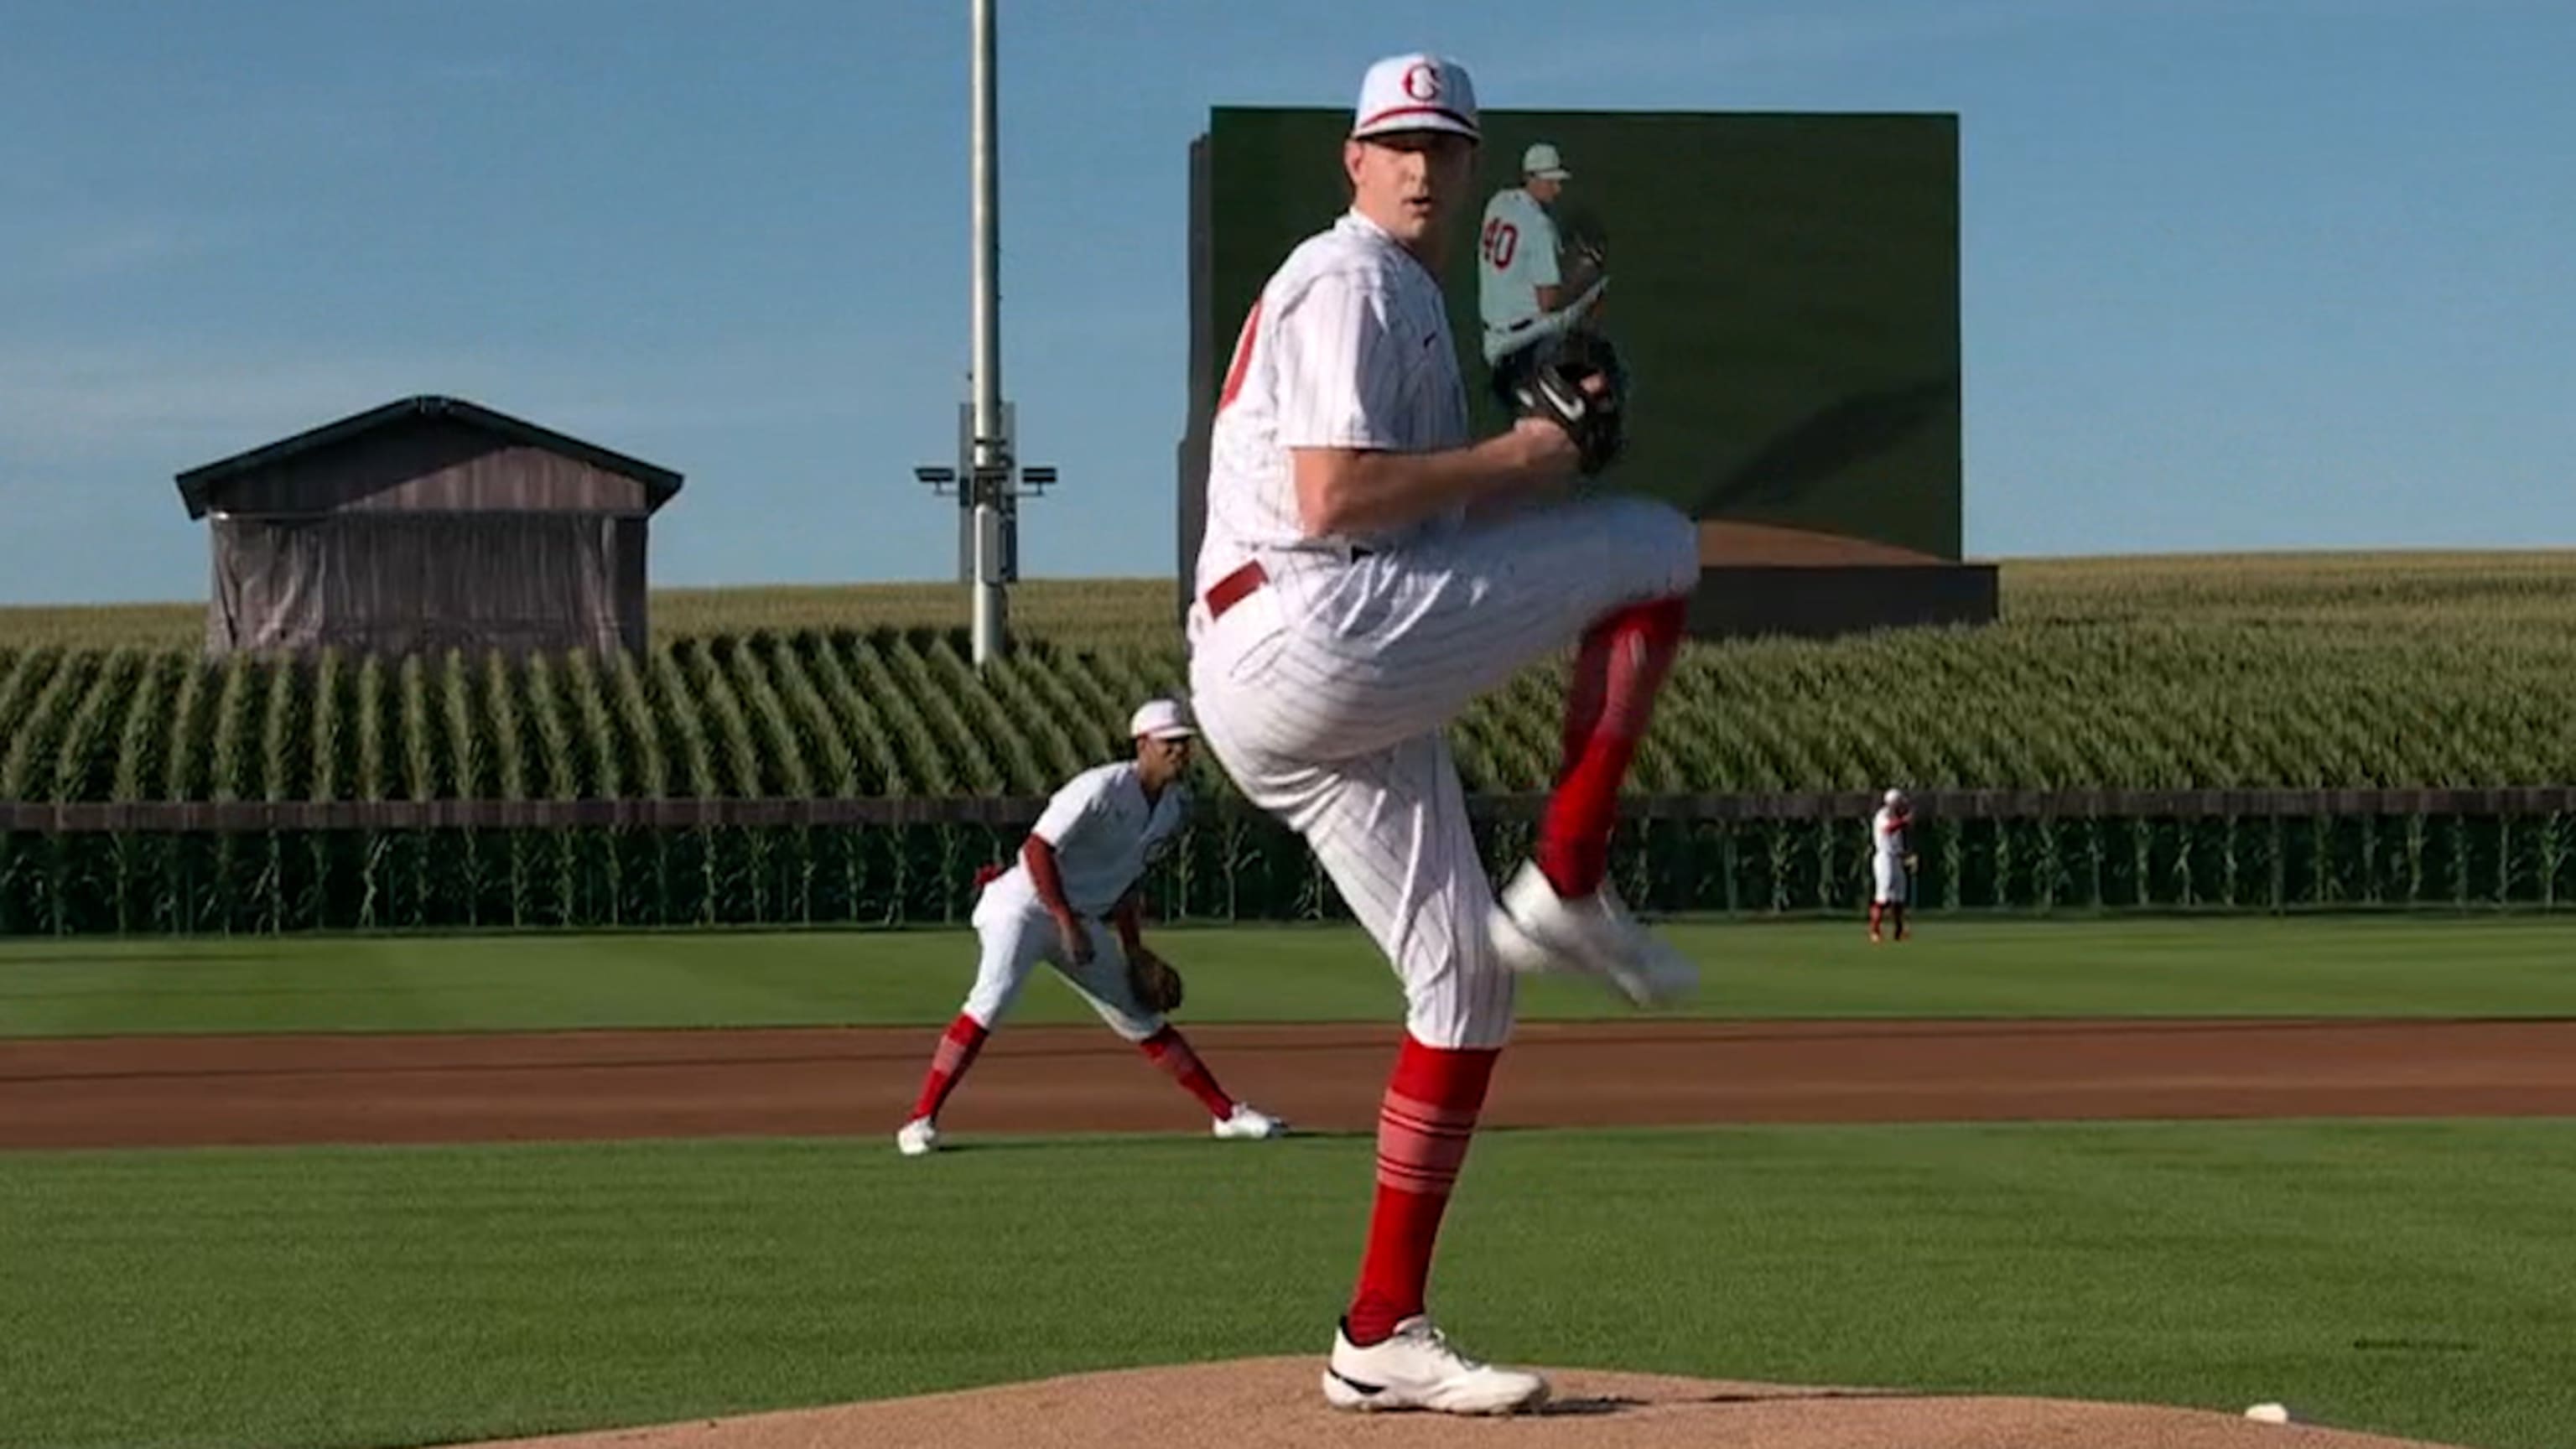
(1368, 570)
(1070, 901)
(1524, 291)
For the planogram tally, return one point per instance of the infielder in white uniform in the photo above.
(1892, 852)
(1519, 285)
(1368, 570)
(1070, 901)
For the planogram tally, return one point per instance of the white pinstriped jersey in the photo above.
(1887, 829)
(1348, 346)
(1104, 834)
(1515, 256)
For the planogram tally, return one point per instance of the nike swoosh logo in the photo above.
(1366, 1390)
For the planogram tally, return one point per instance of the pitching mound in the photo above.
(1261, 1403)
(1724, 541)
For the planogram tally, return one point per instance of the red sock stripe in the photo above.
(958, 1045)
(1424, 1124)
(1421, 1146)
(957, 1048)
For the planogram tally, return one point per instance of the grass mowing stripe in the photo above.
(2119, 967)
(2408, 1278)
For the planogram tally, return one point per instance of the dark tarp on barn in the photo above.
(424, 525)
(399, 583)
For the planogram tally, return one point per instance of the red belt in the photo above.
(1231, 590)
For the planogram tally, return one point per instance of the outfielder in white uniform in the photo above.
(1891, 852)
(1519, 284)
(1070, 901)
(1368, 570)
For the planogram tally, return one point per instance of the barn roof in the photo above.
(198, 485)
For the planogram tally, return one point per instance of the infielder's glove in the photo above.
(1156, 984)
(1911, 861)
(1584, 263)
(1554, 385)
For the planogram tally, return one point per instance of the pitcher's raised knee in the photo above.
(1659, 541)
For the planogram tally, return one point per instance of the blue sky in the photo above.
(2237, 273)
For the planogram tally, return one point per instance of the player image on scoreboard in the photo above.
(1786, 309)
(1536, 276)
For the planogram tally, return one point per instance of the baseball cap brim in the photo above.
(1398, 119)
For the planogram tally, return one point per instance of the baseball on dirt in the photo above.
(2268, 1414)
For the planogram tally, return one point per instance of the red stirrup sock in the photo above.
(957, 1048)
(1170, 1050)
(1424, 1124)
(1622, 666)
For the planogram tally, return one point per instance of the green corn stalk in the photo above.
(795, 705)
(975, 758)
(744, 889)
(285, 773)
(676, 704)
(506, 746)
(884, 768)
(927, 766)
(592, 700)
(562, 773)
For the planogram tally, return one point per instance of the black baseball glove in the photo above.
(1584, 262)
(1157, 985)
(1575, 380)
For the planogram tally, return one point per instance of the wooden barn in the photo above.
(424, 524)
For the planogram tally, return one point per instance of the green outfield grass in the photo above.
(2328, 965)
(2408, 1278)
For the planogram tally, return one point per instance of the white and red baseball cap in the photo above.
(1416, 92)
(1162, 719)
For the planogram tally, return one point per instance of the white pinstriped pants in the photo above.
(1325, 695)
(1014, 933)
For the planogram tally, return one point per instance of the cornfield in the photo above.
(2439, 671)
(903, 713)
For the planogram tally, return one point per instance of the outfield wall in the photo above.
(252, 867)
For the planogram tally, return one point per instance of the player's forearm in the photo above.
(1128, 917)
(1555, 319)
(1347, 491)
(1039, 857)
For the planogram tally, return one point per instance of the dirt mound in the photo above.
(1727, 541)
(1261, 1403)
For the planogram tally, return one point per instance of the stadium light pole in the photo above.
(991, 460)
(986, 477)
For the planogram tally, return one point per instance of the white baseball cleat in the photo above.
(916, 1137)
(1535, 930)
(1247, 1124)
(1418, 1368)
